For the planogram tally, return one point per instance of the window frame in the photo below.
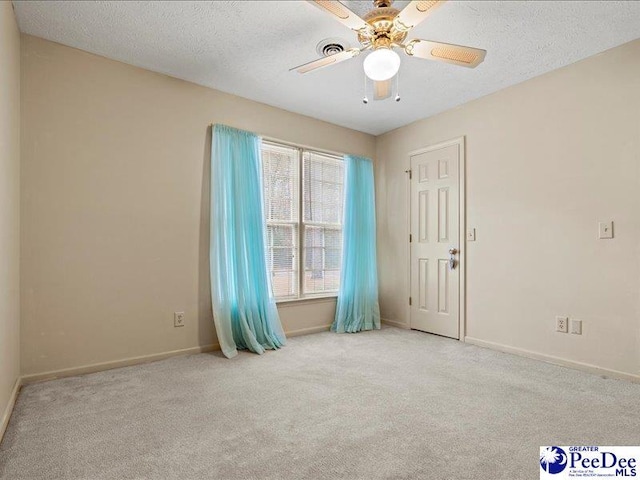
(301, 224)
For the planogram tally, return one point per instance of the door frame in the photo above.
(462, 222)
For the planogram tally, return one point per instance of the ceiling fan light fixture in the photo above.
(381, 64)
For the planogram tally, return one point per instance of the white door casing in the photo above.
(436, 224)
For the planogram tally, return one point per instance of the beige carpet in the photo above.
(390, 404)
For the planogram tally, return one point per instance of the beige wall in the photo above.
(9, 206)
(546, 161)
(115, 206)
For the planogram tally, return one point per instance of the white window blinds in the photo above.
(322, 193)
(282, 205)
(303, 193)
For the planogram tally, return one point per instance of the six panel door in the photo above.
(434, 241)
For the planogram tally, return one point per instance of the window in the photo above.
(303, 193)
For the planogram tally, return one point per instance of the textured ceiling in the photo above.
(247, 48)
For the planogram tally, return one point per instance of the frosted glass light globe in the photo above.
(381, 64)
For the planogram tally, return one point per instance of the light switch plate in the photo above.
(178, 319)
(471, 235)
(605, 230)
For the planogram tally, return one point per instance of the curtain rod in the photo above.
(296, 145)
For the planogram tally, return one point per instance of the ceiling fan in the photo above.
(384, 29)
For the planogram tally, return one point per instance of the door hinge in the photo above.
(410, 238)
(409, 172)
(409, 300)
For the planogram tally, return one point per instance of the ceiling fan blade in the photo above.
(446, 52)
(326, 61)
(341, 13)
(416, 12)
(382, 90)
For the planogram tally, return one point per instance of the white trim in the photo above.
(395, 323)
(301, 225)
(292, 302)
(6, 415)
(462, 225)
(307, 331)
(462, 242)
(406, 237)
(127, 362)
(563, 362)
(284, 143)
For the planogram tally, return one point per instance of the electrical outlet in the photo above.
(576, 327)
(178, 319)
(562, 324)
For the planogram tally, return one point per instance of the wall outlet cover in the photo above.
(562, 324)
(178, 319)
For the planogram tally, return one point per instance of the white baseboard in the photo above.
(127, 362)
(6, 415)
(395, 323)
(585, 367)
(307, 331)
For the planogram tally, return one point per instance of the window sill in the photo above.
(301, 301)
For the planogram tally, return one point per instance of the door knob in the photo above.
(452, 258)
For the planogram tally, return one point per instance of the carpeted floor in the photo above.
(392, 404)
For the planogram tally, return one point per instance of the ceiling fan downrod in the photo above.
(382, 3)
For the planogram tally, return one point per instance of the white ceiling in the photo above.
(247, 48)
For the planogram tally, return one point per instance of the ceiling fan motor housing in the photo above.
(384, 32)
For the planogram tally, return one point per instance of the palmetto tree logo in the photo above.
(553, 459)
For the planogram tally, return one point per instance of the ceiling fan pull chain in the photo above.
(365, 100)
(398, 86)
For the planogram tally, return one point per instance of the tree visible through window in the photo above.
(303, 193)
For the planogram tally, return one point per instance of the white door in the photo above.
(434, 236)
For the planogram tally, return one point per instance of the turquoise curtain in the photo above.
(358, 297)
(244, 310)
